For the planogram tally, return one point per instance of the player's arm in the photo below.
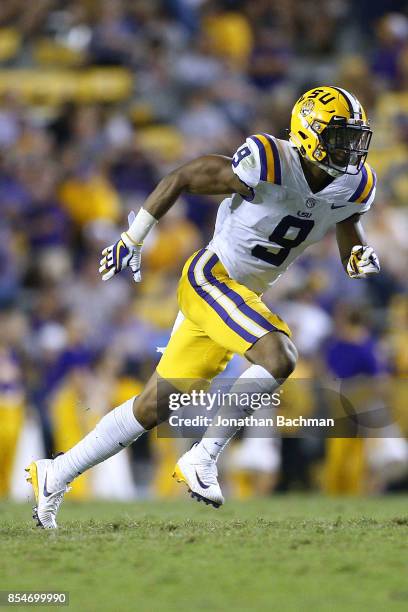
(209, 175)
(357, 257)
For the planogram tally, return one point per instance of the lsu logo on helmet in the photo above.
(329, 127)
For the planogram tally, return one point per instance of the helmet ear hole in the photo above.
(302, 134)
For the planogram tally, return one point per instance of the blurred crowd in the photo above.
(195, 76)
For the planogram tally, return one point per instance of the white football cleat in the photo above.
(200, 475)
(48, 501)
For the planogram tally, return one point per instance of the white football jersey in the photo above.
(258, 237)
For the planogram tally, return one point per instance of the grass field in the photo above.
(284, 553)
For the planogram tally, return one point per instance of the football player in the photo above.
(284, 196)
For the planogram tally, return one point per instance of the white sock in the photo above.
(254, 380)
(115, 431)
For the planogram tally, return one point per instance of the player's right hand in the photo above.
(123, 254)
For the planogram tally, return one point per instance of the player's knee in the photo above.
(282, 363)
(144, 409)
(287, 359)
(151, 407)
(276, 353)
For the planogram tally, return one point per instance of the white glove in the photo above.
(123, 254)
(363, 261)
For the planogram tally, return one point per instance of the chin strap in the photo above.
(331, 171)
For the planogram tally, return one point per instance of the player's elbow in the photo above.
(176, 182)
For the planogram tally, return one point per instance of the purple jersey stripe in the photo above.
(276, 160)
(215, 305)
(262, 155)
(235, 297)
(368, 196)
(361, 186)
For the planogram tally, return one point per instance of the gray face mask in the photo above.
(346, 146)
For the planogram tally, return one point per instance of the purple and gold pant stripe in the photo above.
(227, 303)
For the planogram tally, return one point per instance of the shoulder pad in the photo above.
(271, 169)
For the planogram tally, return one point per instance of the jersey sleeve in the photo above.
(258, 160)
(364, 193)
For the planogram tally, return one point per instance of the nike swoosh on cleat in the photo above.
(46, 493)
(200, 482)
(333, 206)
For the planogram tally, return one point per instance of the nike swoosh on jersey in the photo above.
(200, 482)
(333, 206)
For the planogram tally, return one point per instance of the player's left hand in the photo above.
(362, 262)
(123, 254)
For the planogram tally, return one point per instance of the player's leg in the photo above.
(276, 353)
(237, 319)
(115, 431)
(274, 358)
(118, 429)
(49, 478)
(125, 423)
(190, 362)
